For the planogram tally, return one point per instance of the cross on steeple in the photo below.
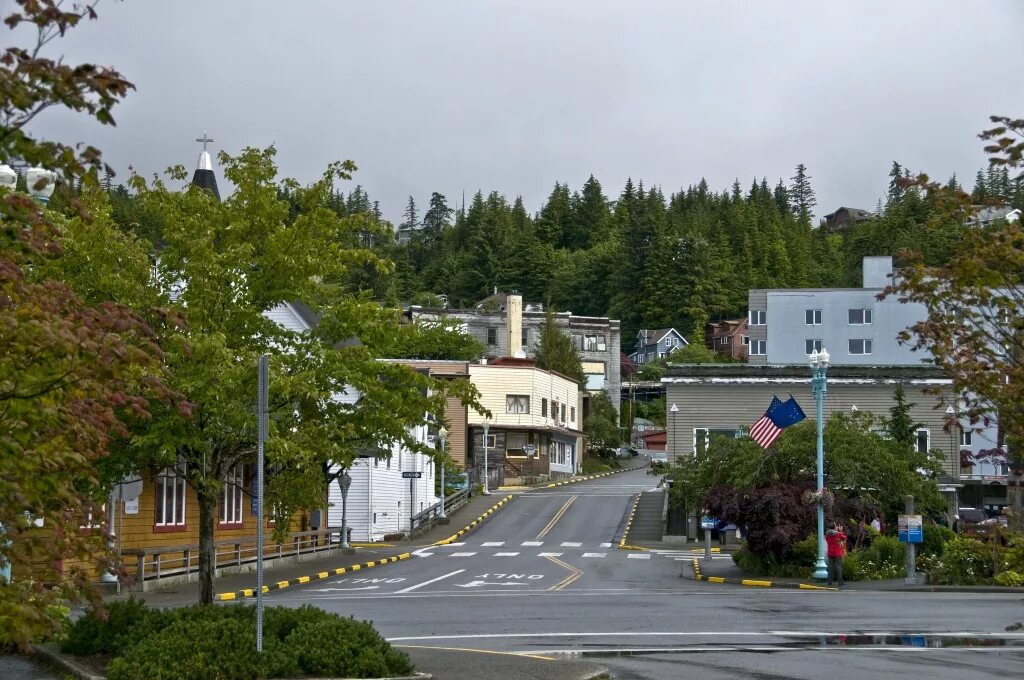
(205, 139)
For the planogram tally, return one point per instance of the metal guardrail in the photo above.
(174, 560)
(427, 518)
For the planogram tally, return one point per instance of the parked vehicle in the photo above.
(970, 520)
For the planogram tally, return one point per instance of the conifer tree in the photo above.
(980, 190)
(555, 352)
(410, 218)
(801, 193)
(895, 190)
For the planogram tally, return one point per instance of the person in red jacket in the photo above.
(835, 540)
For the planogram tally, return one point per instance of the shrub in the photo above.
(935, 538)
(964, 561)
(1010, 578)
(44, 619)
(108, 633)
(186, 643)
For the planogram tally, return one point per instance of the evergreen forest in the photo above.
(645, 257)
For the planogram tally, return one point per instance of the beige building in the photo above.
(534, 430)
(725, 399)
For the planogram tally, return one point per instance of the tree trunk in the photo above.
(207, 549)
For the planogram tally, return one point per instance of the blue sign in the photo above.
(910, 529)
(708, 522)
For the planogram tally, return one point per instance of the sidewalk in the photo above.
(728, 569)
(181, 594)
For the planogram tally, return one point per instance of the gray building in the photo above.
(505, 325)
(656, 343)
(857, 329)
(784, 325)
(726, 399)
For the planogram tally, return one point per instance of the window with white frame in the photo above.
(758, 347)
(922, 441)
(492, 336)
(859, 317)
(812, 345)
(562, 413)
(170, 497)
(572, 414)
(231, 496)
(670, 341)
(703, 436)
(492, 441)
(594, 343)
(860, 346)
(966, 437)
(746, 340)
(812, 317)
(517, 403)
(757, 317)
(544, 408)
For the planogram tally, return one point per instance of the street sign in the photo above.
(708, 522)
(412, 475)
(911, 528)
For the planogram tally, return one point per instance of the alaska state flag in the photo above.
(779, 416)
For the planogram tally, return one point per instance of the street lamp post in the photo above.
(819, 369)
(344, 481)
(486, 490)
(674, 410)
(442, 436)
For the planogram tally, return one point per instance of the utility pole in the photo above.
(261, 437)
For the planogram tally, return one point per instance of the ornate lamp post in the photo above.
(442, 436)
(819, 370)
(344, 481)
(41, 183)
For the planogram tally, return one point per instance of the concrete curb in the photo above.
(281, 585)
(755, 583)
(588, 478)
(472, 525)
(623, 545)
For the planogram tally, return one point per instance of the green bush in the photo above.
(799, 563)
(1010, 578)
(45, 616)
(964, 561)
(186, 643)
(935, 538)
(111, 634)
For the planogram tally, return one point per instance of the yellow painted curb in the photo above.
(753, 583)
(281, 585)
(469, 527)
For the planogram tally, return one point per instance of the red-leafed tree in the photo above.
(975, 303)
(73, 372)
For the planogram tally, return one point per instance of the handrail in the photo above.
(451, 503)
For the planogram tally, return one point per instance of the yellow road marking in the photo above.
(479, 651)
(554, 520)
(568, 580)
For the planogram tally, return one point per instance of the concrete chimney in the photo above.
(514, 323)
(877, 271)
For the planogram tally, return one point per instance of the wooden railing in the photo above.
(175, 560)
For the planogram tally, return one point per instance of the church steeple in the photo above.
(204, 176)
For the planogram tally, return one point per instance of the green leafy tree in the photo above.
(601, 426)
(556, 353)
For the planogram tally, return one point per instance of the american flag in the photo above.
(779, 416)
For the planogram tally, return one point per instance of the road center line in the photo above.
(554, 520)
(427, 583)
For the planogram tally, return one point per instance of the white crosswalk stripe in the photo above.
(593, 554)
(570, 544)
(462, 554)
(549, 554)
(493, 544)
(606, 545)
(506, 554)
(638, 556)
(529, 544)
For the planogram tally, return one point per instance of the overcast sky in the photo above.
(456, 96)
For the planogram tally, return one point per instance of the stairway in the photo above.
(648, 526)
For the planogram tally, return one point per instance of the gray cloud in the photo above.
(513, 96)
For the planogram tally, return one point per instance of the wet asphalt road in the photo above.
(543, 577)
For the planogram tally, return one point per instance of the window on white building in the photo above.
(812, 346)
(544, 408)
(966, 437)
(859, 317)
(812, 317)
(231, 496)
(572, 414)
(757, 317)
(517, 403)
(492, 336)
(170, 497)
(758, 347)
(860, 346)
